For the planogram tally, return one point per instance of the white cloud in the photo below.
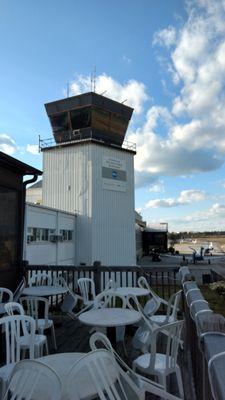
(166, 144)
(7, 144)
(33, 149)
(166, 37)
(216, 210)
(134, 92)
(186, 197)
(126, 59)
(188, 137)
(157, 187)
(165, 203)
(209, 219)
(191, 195)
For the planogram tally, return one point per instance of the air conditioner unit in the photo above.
(53, 238)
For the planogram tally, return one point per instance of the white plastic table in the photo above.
(134, 291)
(62, 364)
(44, 290)
(110, 318)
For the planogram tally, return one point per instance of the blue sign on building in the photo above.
(114, 174)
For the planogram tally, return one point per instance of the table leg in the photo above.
(111, 334)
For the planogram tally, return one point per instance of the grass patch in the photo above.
(216, 302)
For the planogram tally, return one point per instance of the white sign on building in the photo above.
(114, 175)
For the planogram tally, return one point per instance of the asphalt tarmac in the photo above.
(215, 262)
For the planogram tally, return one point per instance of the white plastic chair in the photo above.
(15, 332)
(142, 336)
(33, 305)
(99, 337)
(111, 284)
(14, 308)
(153, 304)
(172, 310)
(97, 374)
(40, 279)
(60, 281)
(33, 380)
(87, 291)
(100, 341)
(70, 300)
(111, 299)
(159, 364)
(5, 295)
(40, 340)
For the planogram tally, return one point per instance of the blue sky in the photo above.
(167, 58)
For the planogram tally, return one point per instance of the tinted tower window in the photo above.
(81, 118)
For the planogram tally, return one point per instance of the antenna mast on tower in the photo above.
(93, 80)
(68, 89)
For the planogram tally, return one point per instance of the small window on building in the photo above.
(67, 235)
(39, 234)
(45, 235)
(30, 236)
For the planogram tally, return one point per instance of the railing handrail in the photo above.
(78, 136)
(106, 268)
(200, 325)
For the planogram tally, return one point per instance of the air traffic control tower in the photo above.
(88, 169)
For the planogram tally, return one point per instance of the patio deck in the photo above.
(72, 336)
(193, 360)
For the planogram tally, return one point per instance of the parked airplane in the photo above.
(203, 253)
(209, 248)
(199, 254)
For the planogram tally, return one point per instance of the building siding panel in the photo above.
(73, 181)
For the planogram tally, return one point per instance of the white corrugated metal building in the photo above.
(50, 236)
(79, 178)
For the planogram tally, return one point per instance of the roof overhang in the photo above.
(15, 165)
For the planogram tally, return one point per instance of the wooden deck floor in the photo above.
(72, 336)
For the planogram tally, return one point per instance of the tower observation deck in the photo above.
(89, 115)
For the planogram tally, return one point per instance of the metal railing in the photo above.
(163, 280)
(76, 136)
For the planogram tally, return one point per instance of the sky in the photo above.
(166, 59)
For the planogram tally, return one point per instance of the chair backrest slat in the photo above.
(104, 376)
(87, 289)
(33, 305)
(14, 328)
(13, 308)
(40, 279)
(5, 295)
(172, 333)
(109, 299)
(34, 380)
